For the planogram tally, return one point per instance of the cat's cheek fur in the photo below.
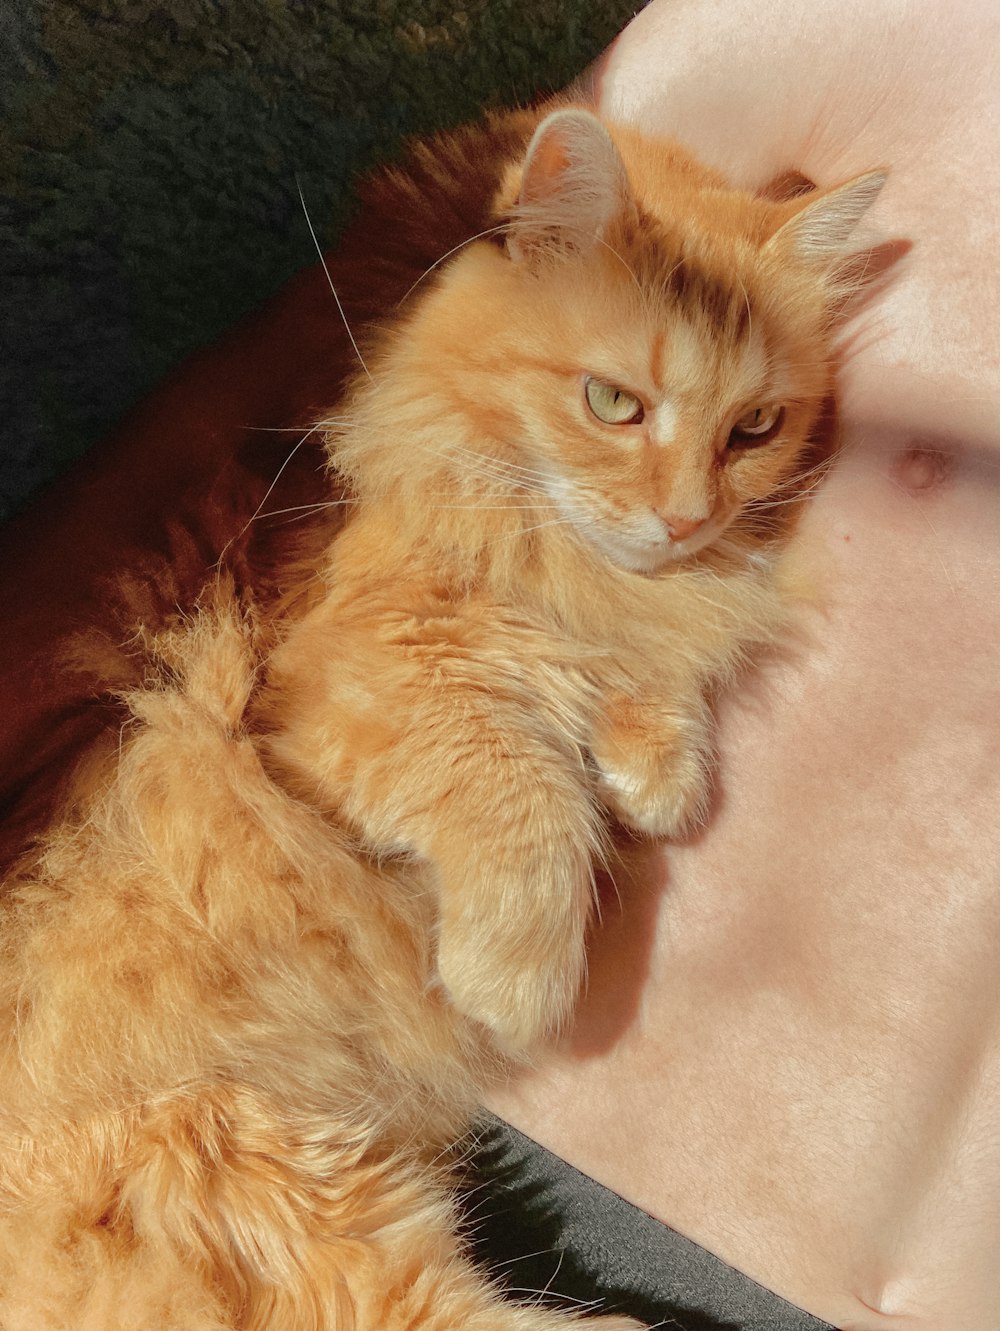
(636, 542)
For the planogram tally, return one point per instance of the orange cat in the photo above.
(340, 866)
(556, 555)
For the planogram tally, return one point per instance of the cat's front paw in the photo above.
(522, 990)
(511, 949)
(654, 777)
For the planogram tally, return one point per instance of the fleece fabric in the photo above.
(152, 154)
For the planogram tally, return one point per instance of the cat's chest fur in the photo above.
(549, 630)
(553, 584)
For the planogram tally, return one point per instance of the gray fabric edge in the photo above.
(521, 1192)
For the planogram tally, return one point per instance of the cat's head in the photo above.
(651, 348)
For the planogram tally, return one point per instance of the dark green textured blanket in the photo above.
(547, 1231)
(149, 159)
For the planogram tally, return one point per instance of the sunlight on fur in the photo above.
(337, 868)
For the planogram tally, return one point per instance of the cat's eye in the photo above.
(613, 406)
(756, 426)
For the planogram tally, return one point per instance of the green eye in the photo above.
(612, 405)
(756, 426)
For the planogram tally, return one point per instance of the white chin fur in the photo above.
(649, 557)
(635, 556)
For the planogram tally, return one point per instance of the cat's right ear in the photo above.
(573, 184)
(821, 235)
(820, 229)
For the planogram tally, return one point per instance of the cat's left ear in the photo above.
(572, 185)
(819, 231)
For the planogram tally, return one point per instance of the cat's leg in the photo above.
(653, 758)
(504, 815)
(443, 741)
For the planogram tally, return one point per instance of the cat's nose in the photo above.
(681, 528)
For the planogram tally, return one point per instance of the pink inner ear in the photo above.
(574, 182)
(548, 162)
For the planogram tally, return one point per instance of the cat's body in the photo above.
(252, 982)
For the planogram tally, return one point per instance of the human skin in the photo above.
(790, 1045)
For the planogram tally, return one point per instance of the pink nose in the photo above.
(681, 528)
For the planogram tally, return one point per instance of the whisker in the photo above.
(267, 494)
(501, 464)
(628, 268)
(293, 429)
(468, 458)
(765, 505)
(473, 467)
(501, 508)
(490, 470)
(306, 508)
(490, 231)
(298, 517)
(523, 531)
(322, 259)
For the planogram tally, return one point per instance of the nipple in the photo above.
(920, 468)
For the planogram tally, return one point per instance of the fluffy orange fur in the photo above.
(339, 866)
